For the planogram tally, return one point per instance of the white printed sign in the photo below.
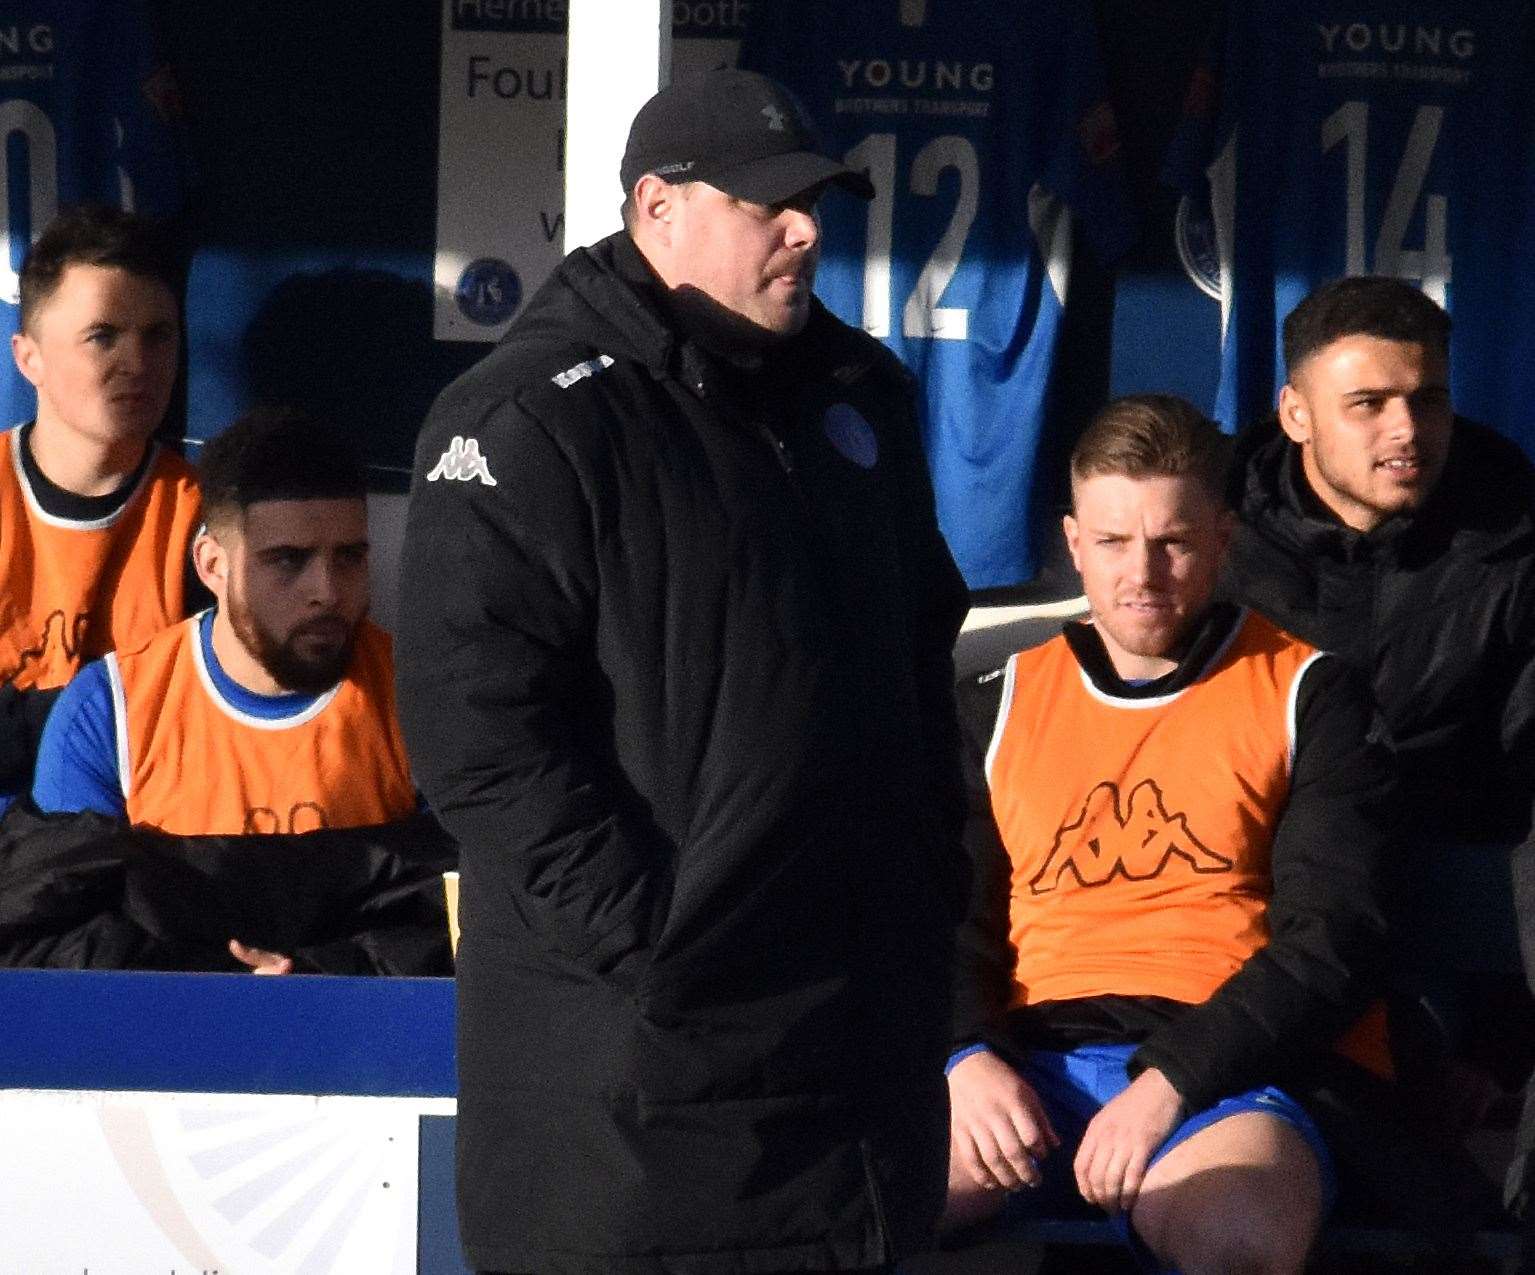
(207, 1184)
(501, 147)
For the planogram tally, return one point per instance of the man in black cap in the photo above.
(676, 673)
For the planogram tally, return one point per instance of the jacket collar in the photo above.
(612, 278)
(1211, 636)
(621, 290)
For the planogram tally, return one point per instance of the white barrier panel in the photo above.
(620, 53)
(208, 1184)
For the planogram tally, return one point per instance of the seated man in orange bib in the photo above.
(96, 519)
(272, 712)
(1177, 812)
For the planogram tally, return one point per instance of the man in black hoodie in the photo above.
(674, 668)
(1377, 525)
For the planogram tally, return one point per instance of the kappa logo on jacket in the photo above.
(1101, 843)
(461, 462)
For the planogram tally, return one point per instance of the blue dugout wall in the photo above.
(73, 1035)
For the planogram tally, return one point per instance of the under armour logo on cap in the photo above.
(740, 132)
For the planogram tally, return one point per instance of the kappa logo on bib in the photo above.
(851, 435)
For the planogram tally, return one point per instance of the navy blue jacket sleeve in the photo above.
(984, 958)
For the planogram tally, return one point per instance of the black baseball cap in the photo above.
(737, 130)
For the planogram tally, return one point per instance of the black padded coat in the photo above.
(674, 667)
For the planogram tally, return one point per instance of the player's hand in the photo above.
(1121, 1139)
(260, 960)
(998, 1130)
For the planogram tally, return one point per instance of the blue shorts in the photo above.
(1075, 1086)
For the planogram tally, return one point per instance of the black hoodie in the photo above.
(1436, 608)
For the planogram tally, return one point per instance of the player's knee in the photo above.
(1232, 1253)
(1229, 1235)
(968, 1205)
(1271, 1251)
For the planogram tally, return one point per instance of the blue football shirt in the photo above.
(1369, 138)
(989, 140)
(83, 118)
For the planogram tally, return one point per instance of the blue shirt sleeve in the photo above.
(77, 759)
(959, 1055)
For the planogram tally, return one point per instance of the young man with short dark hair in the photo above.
(1176, 818)
(97, 517)
(1377, 524)
(274, 710)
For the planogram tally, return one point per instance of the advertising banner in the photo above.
(207, 1184)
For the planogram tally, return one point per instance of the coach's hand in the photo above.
(998, 1130)
(1121, 1139)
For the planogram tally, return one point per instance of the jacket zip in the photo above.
(700, 386)
(780, 448)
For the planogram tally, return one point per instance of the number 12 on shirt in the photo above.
(922, 318)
